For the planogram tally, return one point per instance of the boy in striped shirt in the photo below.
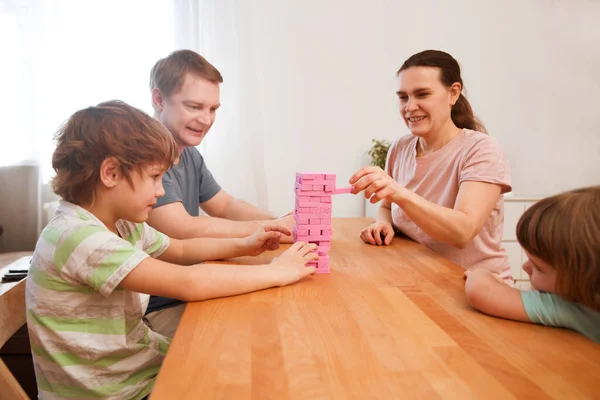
(97, 258)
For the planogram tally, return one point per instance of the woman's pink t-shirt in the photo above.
(470, 156)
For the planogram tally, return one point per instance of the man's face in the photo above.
(190, 112)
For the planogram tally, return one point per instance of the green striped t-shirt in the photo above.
(87, 335)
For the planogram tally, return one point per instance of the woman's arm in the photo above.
(456, 226)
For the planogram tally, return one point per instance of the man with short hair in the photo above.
(186, 96)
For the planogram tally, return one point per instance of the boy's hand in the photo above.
(266, 237)
(291, 264)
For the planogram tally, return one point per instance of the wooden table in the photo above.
(12, 297)
(388, 322)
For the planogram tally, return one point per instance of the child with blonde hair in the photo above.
(97, 256)
(561, 237)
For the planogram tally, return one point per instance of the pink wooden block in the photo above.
(343, 190)
(320, 181)
(306, 204)
(329, 176)
(326, 232)
(314, 221)
(310, 176)
(326, 199)
(315, 192)
(329, 188)
(301, 220)
(315, 227)
(313, 238)
(323, 269)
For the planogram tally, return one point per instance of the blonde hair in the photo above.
(564, 231)
(110, 129)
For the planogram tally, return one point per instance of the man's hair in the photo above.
(110, 129)
(564, 232)
(168, 73)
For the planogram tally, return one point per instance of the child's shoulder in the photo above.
(553, 310)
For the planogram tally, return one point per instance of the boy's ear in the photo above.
(110, 172)
(157, 100)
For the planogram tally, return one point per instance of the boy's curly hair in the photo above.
(110, 129)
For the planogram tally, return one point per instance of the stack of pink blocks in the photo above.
(313, 213)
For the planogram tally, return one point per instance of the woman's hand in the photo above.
(376, 183)
(378, 233)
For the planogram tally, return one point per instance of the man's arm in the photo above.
(173, 220)
(223, 205)
(195, 250)
(490, 295)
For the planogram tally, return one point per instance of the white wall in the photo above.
(19, 202)
(326, 72)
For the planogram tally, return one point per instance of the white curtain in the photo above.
(59, 56)
(233, 149)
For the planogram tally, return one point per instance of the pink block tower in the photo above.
(313, 213)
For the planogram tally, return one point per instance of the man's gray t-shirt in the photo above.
(191, 183)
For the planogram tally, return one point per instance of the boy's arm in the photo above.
(489, 295)
(194, 251)
(208, 281)
(196, 283)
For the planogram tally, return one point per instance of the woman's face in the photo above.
(425, 103)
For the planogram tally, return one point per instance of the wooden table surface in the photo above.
(12, 298)
(388, 322)
(6, 259)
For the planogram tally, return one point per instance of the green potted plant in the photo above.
(378, 155)
(378, 152)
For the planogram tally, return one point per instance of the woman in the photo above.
(443, 184)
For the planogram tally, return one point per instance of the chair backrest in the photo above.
(12, 318)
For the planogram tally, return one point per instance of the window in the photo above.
(59, 56)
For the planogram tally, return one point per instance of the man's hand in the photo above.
(266, 237)
(288, 222)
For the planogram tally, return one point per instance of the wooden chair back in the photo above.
(12, 318)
